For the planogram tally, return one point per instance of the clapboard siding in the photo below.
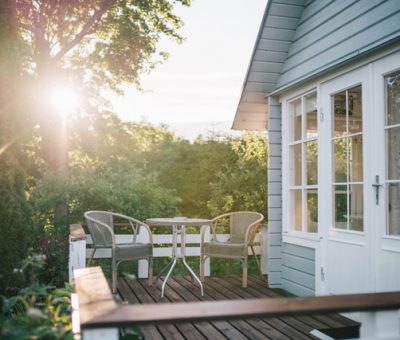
(274, 193)
(298, 269)
(273, 42)
(331, 33)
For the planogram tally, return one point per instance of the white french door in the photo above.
(346, 145)
(386, 233)
(360, 211)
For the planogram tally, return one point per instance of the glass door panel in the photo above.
(392, 130)
(347, 148)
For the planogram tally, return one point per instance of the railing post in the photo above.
(207, 238)
(77, 249)
(100, 333)
(143, 265)
(264, 248)
(383, 325)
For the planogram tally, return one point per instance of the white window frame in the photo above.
(287, 216)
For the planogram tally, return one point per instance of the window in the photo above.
(347, 151)
(392, 131)
(303, 149)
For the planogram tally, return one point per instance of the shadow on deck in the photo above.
(181, 289)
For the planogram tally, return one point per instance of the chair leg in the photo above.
(91, 256)
(230, 266)
(150, 260)
(114, 275)
(257, 262)
(202, 259)
(245, 273)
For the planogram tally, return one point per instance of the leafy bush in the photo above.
(242, 184)
(37, 311)
(129, 191)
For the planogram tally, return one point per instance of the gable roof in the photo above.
(300, 39)
(272, 45)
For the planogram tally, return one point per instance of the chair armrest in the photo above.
(203, 230)
(251, 232)
(136, 225)
(147, 228)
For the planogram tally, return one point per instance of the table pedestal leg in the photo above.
(167, 277)
(183, 254)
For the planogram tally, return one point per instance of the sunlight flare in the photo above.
(64, 100)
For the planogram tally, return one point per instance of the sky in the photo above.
(202, 79)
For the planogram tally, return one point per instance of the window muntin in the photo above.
(303, 154)
(392, 134)
(347, 150)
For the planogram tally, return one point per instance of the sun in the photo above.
(63, 99)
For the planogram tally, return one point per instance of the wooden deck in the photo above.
(181, 289)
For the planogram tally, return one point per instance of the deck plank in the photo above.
(149, 332)
(187, 289)
(181, 289)
(268, 331)
(315, 321)
(168, 331)
(153, 295)
(203, 331)
(304, 324)
(231, 290)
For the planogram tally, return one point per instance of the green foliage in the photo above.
(129, 191)
(190, 169)
(104, 42)
(37, 311)
(15, 224)
(242, 183)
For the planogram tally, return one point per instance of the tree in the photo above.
(242, 184)
(92, 46)
(15, 226)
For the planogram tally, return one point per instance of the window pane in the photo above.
(393, 152)
(340, 193)
(356, 158)
(295, 109)
(339, 109)
(310, 103)
(393, 209)
(296, 164)
(393, 98)
(340, 160)
(297, 209)
(312, 211)
(356, 210)
(355, 109)
(312, 162)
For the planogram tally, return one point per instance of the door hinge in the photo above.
(322, 274)
(321, 115)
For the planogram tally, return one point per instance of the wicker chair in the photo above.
(101, 226)
(243, 227)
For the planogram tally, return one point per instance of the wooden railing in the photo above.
(79, 252)
(100, 316)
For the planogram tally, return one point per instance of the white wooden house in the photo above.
(324, 79)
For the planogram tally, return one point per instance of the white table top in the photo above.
(178, 221)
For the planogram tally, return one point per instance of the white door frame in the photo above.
(346, 265)
(386, 249)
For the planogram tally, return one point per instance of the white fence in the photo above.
(79, 252)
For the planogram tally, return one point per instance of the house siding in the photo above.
(298, 269)
(274, 194)
(333, 32)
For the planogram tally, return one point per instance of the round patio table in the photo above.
(178, 225)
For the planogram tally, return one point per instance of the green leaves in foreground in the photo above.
(38, 311)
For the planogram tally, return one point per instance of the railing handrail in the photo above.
(98, 309)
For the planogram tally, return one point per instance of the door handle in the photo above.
(376, 185)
